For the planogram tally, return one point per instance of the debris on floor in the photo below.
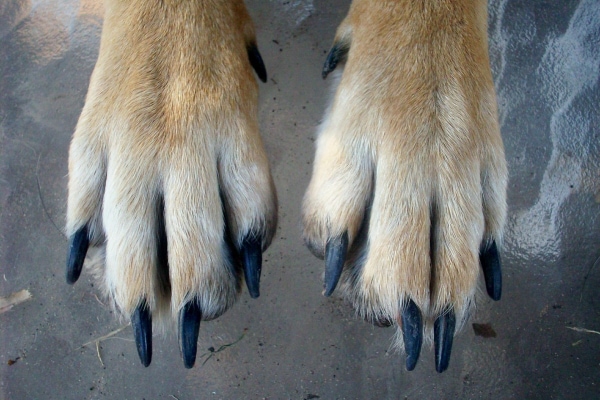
(6, 303)
(484, 330)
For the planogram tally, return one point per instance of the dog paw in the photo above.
(167, 170)
(407, 200)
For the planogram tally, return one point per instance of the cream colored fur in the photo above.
(411, 145)
(171, 116)
(409, 159)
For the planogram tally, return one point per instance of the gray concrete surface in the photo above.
(298, 344)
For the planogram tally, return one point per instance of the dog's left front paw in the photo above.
(408, 193)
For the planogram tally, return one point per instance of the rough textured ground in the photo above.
(297, 344)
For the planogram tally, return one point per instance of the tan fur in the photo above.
(412, 136)
(171, 113)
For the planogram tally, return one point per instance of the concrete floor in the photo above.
(298, 344)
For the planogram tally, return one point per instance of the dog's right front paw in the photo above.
(167, 168)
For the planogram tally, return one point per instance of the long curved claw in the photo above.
(443, 334)
(142, 331)
(189, 326)
(490, 262)
(256, 61)
(251, 252)
(412, 331)
(337, 54)
(335, 256)
(78, 246)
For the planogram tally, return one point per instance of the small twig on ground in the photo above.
(212, 352)
(576, 329)
(98, 352)
(100, 339)
(108, 335)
